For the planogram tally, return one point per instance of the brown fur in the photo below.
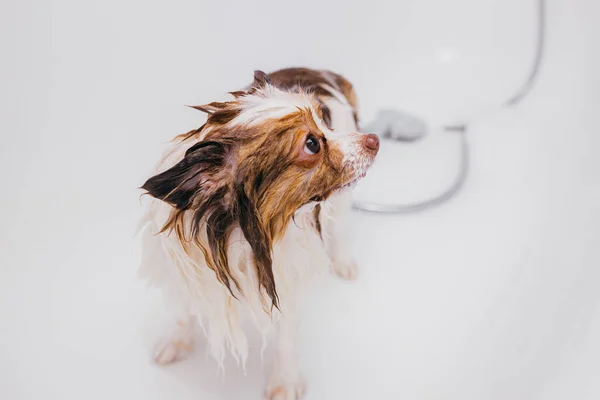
(254, 177)
(314, 80)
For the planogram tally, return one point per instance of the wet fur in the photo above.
(240, 217)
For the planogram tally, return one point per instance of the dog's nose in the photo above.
(372, 142)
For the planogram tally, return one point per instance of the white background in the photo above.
(493, 296)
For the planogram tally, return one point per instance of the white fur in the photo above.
(345, 133)
(270, 102)
(193, 289)
(197, 297)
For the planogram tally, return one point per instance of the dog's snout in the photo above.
(371, 142)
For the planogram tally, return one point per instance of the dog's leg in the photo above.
(286, 382)
(177, 341)
(334, 224)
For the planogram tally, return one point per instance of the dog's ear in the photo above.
(261, 79)
(259, 239)
(178, 185)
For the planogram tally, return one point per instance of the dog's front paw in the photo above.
(176, 345)
(167, 352)
(346, 270)
(285, 389)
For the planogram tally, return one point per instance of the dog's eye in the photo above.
(312, 145)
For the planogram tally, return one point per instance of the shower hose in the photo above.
(462, 131)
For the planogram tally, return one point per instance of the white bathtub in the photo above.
(491, 296)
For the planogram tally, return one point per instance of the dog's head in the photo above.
(260, 158)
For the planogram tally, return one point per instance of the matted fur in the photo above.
(232, 224)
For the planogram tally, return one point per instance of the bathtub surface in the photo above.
(492, 296)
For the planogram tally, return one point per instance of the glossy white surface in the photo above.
(493, 296)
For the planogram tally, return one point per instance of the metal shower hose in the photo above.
(461, 176)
